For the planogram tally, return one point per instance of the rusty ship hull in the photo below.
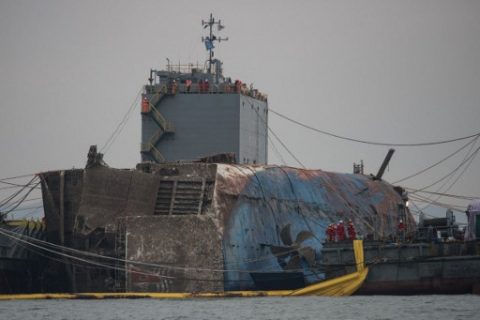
(205, 227)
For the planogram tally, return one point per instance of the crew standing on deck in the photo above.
(352, 234)
(341, 231)
(206, 86)
(401, 230)
(330, 233)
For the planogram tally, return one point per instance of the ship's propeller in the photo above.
(291, 254)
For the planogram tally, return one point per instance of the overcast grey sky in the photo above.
(394, 71)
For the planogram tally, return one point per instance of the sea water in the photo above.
(357, 307)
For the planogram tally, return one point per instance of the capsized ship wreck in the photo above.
(207, 226)
(186, 221)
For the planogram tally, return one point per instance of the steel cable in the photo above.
(121, 125)
(276, 137)
(450, 173)
(438, 162)
(467, 166)
(392, 144)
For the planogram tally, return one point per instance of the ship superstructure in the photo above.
(191, 111)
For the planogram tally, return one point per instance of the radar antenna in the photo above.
(211, 38)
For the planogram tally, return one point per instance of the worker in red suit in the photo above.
(206, 85)
(330, 233)
(352, 234)
(401, 230)
(341, 231)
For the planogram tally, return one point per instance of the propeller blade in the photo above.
(285, 235)
(308, 254)
(302, 236)
(280, 252)
(294, 263)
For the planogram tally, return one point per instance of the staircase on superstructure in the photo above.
(149, 107)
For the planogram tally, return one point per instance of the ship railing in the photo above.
(184, 68)
(222, 88)
(161, 88)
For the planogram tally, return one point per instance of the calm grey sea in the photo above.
(362, 307)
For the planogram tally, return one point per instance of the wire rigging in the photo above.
(438, 162)
(44, 245)
(438, 204)
(16, 193)
(121, 125)
(447, 195)
(276, 137)
(277, 152)
(391, 144)
(460, 175)
(86, 263)
(286, 148)
(450, 173)
(11, 208)
(17, 177)
(17, 238)
(16, 187)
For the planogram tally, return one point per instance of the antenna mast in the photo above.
(211, 38)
